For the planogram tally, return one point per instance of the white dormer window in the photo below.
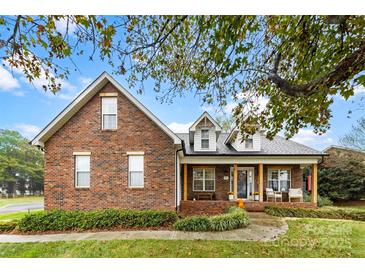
(205, 139)
(244, 143)
(248, 143)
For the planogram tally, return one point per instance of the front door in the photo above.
(242, 184)
(245, 182)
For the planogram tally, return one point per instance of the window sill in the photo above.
(82, 187)
(109, 130)
(136, 187)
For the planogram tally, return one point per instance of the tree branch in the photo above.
(349, 66)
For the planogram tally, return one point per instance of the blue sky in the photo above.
(27, 108)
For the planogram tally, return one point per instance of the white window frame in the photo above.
(81, 154)
(109, 113)
(279, 181)
(206, 138)
(135, 154)
(204, 169)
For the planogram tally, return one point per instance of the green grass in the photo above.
(7, 217)
(305, 238)
(20, 200)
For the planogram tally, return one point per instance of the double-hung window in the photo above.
(82, 171)
(279, 179)
(109, 113)
(203, 179)
(205, 139)
(135, 171)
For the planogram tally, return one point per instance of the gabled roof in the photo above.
(279, 146)
(231, 135)
(83, 98)
(210, 118)
(344, 148)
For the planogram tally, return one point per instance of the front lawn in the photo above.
(7, 217)
(305, 238)
(20, 200)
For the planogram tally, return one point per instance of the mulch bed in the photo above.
(114, 229)
(351, 203)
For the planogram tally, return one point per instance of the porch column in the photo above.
(314, 184)
(261, 181)
(235, 179)
(185, 182)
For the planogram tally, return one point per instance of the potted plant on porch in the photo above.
(230, 196)
(256, 196)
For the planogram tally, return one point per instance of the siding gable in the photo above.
(240, 146)
(205, 124)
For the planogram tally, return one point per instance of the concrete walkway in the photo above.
(12, 208)
(262, 228)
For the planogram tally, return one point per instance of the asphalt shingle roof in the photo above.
(277, 146)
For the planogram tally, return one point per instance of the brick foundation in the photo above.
(190, 208)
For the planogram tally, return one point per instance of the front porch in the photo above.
(205, 207)
(210, 189)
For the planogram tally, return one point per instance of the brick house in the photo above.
(337, 154)
(107, 150)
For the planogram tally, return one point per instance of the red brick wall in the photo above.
(190, 208)
(109, 162)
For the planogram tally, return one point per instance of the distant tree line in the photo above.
(21, 165)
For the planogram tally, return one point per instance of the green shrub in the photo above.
(195, 223)
(235, 218)
(327, 213)
(61, 220)
(321, 200)
(7, 226)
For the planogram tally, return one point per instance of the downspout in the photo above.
(176, 180)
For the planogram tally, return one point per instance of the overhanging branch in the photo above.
(347, 67)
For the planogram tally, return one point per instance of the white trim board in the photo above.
(249, 160)
(83, 98)
(210, 118)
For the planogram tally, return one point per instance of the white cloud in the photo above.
(85, 81)
(309, 138)
(180, 127)
(228, 108)
(7, 82)
(61, 26)
(68, 91)
(27, 130)
(359, 89)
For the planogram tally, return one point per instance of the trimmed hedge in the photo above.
(7, 226)
(235, 218)
(326, 213)
(61, 220)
